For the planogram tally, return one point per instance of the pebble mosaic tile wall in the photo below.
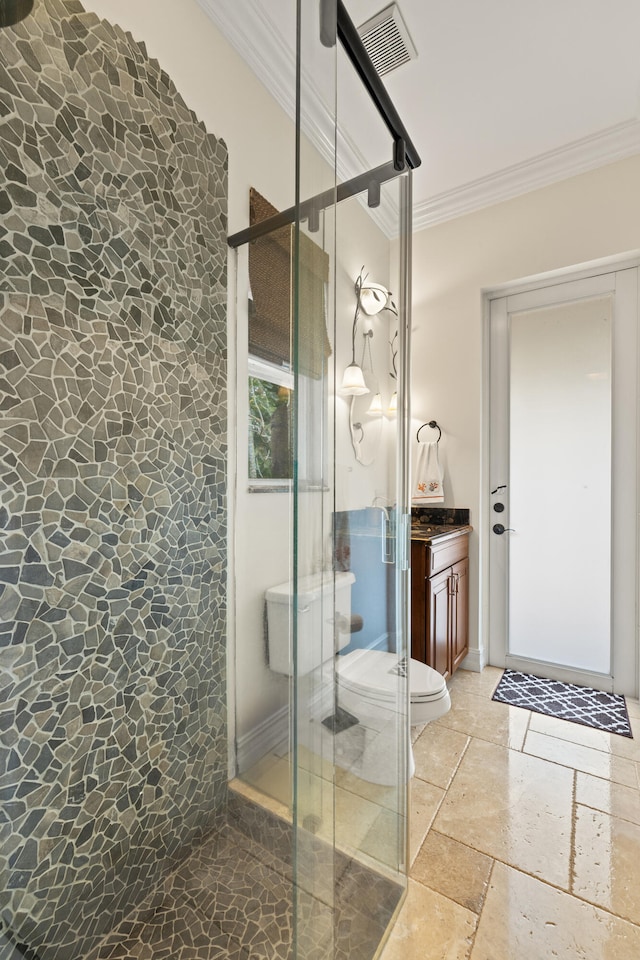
(112, 479)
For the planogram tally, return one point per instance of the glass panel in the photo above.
(560, 485)
(318, 552)
(350, 743)
(315, 625)
(263, 507)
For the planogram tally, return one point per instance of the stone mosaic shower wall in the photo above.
(112, 478)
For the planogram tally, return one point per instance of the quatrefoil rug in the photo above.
(566, 701)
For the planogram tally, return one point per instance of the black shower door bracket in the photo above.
(336, 22)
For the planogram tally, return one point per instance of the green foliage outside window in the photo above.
(269, 435)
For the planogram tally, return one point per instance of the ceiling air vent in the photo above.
(387, 40)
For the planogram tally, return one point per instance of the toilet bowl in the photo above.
(372, 675)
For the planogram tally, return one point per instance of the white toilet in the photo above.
(373, 675)
(369, 677)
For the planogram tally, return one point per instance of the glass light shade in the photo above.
(393, 403)
(373, 298)
(376, 404)
(353, 381)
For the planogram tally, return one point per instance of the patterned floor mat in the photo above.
(567, 701)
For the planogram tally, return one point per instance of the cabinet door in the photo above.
(419, 608)
(439, 600)
(460, 612)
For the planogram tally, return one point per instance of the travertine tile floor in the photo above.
(527, 831)
(524, 839)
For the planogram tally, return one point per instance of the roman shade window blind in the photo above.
(271, 303)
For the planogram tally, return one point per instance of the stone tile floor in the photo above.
(524, 833)
(526, 836)
(233, 899)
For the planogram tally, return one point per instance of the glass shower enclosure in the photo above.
(330, 463)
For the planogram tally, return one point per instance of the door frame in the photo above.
(625, 664)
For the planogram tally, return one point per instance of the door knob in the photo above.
(500, 528)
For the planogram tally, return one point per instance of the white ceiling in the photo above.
(504, 96)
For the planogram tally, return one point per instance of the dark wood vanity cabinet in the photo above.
(440, 601)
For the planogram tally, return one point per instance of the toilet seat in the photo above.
(373, 674)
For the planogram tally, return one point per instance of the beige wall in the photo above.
(578, 220)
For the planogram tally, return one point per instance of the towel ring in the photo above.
(433, 425)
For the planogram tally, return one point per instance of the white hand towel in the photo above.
(427, 485)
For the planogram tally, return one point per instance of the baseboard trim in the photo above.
(262, 738)
(473, 661)
(381, 642)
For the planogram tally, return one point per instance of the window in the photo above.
(270, 399)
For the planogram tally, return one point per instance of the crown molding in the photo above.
(580, 156)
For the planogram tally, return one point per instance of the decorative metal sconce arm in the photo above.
(359, 281)
(393, 343)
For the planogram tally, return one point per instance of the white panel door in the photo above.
(563, 481)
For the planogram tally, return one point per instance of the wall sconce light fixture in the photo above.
(371, 298)
(353, 384)
(393, 373)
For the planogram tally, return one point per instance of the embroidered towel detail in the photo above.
(427, 475)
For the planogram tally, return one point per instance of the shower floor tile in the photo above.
(233, 898)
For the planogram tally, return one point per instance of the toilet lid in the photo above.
(374, 674)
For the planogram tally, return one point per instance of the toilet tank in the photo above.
(317, 615)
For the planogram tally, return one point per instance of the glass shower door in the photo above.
(314, 627)
(350, 747)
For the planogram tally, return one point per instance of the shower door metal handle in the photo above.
(389, 542)
(403, 535)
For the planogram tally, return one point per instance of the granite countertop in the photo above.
(429, 532)
(435, 523)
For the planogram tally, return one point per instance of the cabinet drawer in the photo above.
(445, 554)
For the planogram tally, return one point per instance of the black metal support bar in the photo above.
(404, 151)
(356, 51)
(313, 206)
